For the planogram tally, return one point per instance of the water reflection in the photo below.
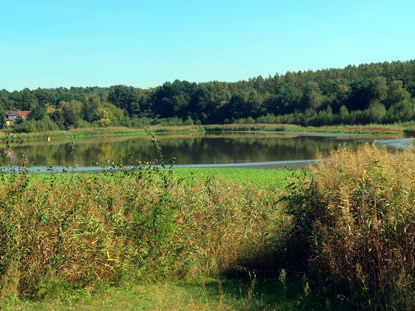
(186, 149)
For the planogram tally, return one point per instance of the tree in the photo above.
(312, 97)
(125, 97)
(199, 101)
(288, 98)
(376, 112)
(237, 107)
(46, 96)
(344, 115)
(71, 112)
(104, 117)
(171, 99)
(38, 113)
(402, 111)
(365, 91)
(396, 93)
(28, 100)
(342, 92)
(116, 115)
(2, 117)
(379, 88)
(91, 106)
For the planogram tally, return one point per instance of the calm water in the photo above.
(187, 149)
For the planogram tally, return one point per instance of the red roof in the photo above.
(21, 113)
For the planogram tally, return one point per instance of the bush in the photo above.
(46, 124)
(357, 214)
(410, 131)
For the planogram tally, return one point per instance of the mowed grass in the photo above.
(269, 178)
(209, 294)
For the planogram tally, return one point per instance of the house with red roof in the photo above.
(12, 116)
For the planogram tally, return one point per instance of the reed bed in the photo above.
(355, 226)
(63, 232)
(345, 228)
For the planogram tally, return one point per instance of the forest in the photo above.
(369, 93)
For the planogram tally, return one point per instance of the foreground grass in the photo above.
(210, 294)
(338, 237)
(63, 233)
(355, 224)
(219, 225)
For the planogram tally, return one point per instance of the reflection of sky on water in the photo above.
(402, 143)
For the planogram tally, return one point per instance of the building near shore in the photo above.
(13, 116)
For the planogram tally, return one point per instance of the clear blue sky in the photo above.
(146, 43)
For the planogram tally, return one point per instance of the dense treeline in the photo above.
(369, 93)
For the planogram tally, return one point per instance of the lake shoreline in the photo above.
(372, 129)
(264, 149)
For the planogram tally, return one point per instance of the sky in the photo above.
(50, 44)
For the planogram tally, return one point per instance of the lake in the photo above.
(238, 150)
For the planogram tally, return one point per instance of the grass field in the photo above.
(209, 294)
(265, 178)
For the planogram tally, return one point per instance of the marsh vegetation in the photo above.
(338, 235)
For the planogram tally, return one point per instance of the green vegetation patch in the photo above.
(208, 294)
(410, 131)
(269, 177)
(74, 133)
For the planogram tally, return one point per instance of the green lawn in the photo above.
(262, 177)
(210, 294)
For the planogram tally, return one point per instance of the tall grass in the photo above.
(74, 133)
(65, 232)
(244, 127)
(348, 224)
(355, 226)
